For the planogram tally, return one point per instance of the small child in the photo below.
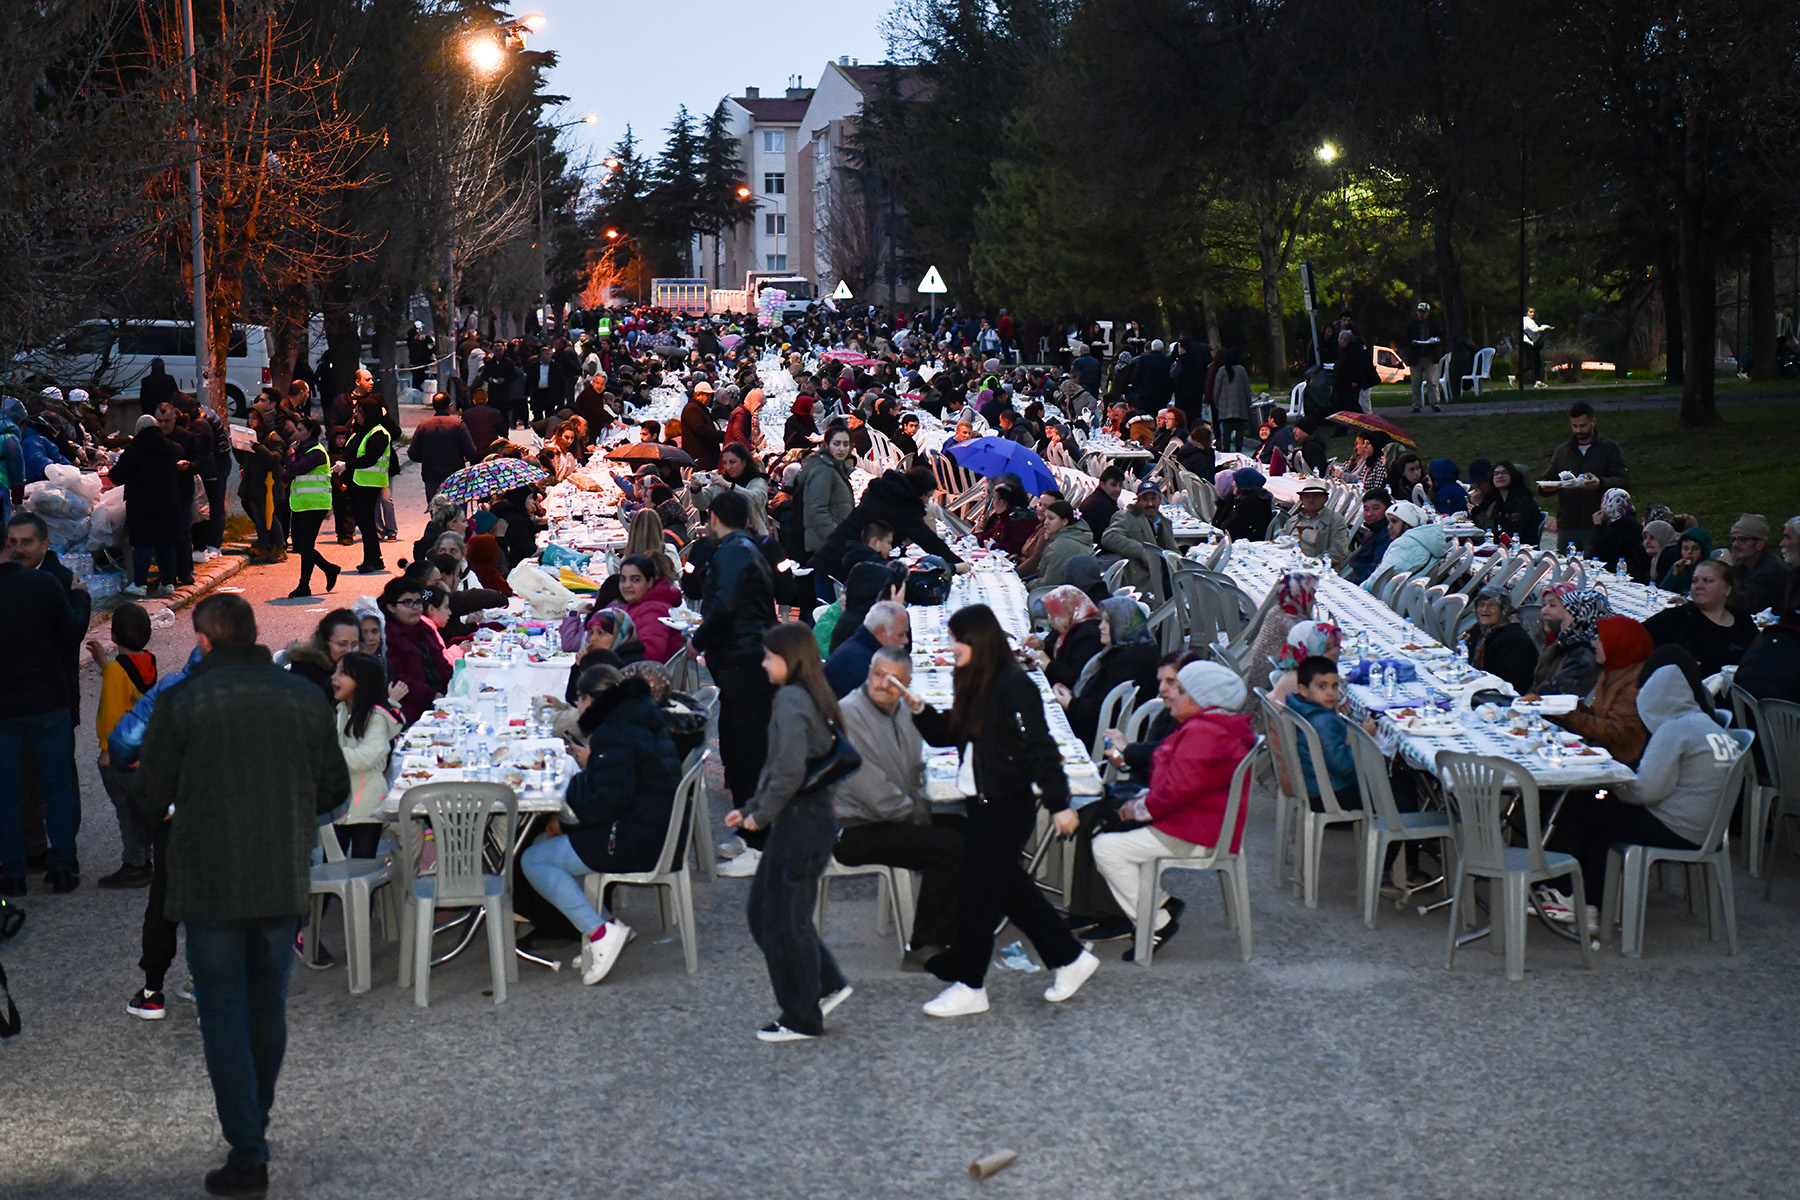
(128, 670)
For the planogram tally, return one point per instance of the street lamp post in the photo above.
(196, 220)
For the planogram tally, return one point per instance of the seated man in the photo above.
(1372, 541)
(886, 625)
(1317, 692)
(1190, 777)
(1139, 533)
(1320, 528)
(1415, 545)
(882, 810)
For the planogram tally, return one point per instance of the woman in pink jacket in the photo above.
(647, 598)
(1190, 777)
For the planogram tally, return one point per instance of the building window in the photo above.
(774, 223)
(774, 184)
(777, 262)
(775, 141)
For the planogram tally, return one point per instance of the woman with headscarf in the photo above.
(610, 640)
(483, 557)
(1498, 644)
(1305, 640)
(1083, 573)
(1252, 508)
(148, 470)
(1074, 639)
(1295, 594)
(1128, 655)
(1608, 717)
(1571, 618)
(800, 430)
(1620, 537)
(1712, 625)
(1692, 548)
(1013, 522)
(1660, 544)
(1365, 470)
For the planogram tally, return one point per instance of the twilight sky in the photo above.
(635, 63)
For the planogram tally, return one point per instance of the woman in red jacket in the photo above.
(647, 598)
(1190, 777)
(415, 649)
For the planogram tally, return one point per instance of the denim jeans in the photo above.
(215, 502)
(134, 839)
(50, 741)
(240, 971)
(162, 554)
(555, 870)
(782, 896)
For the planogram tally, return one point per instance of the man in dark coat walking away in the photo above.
(241, 760)
(441, 445)
(1150, 377)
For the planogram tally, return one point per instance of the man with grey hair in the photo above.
(885, 625)
(882, 810)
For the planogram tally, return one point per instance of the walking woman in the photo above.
(999, 715)
(308, 474)
(803, 728)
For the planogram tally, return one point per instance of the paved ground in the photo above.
(1338, 1063)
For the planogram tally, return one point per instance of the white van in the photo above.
(116, 356)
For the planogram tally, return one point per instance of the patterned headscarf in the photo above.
(655, 674)
(1306, 640)
(1067, 607)
(1296, 592)
(1616, 505)
(1587, 608)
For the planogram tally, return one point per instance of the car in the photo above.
(1390, 366)
(116, 356)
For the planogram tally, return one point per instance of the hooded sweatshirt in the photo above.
(1686, 760)
(1447, 493)
(1415, 550)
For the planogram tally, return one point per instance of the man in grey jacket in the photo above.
(1140, 533)
(882, 810)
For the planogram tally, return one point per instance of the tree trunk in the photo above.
(345, 342)
(287, 324)
(1699, 295)
(1762, 300)
(1212, 317)
(389, 321)
(1268, 246)
(1668, 279)
(1448, 270)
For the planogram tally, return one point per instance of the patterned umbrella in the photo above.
(851, 357)
(1373, 424)
(651, 452)
(991, 456)
(488, 478)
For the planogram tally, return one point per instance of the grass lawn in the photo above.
(1749, 464)
(1597, 387)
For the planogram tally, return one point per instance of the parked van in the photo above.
(116, 356)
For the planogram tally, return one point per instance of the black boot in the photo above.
(228, 1180)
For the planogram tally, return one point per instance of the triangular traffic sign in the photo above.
(843, 291)
(933, 282)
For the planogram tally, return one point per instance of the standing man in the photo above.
(1150, 376)
(366, 464)
(39, 638)
(546, 384)
(420, 350)
(738, 603)
(1592, 464)
(241, 760)
(486, 423)
(441, 445)
(1425, 346)
(1531, 369)
(340, 418)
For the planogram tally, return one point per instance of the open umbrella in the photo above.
(487, 478)
(851, 357)
(1373, 424)
(651, 452)
(991, 456)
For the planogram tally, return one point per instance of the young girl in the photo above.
(367, 725)
(802, 730)
(127, 672)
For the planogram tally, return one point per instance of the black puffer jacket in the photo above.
(1014, 749)
(625, 794)
(891, 499)
(738, 600)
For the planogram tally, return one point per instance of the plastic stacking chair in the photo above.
(1477, 787)
(1117, 701)
(1229, 865)
(896, 896)
(1778, 723)
(1133, 729)
(354, 882)
(1746, 711)
(670, 875)
(1388, 825)
(1114, 576)
(1284, 761)
(1303, 739)
(461, 815)
(1628, 868)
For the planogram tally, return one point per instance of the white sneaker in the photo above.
(604, 951)
(741, 867)
(957, 1000)
(836, 998)
(200, 556)
(1556, 905)
(1069, 978)
(775, 1031)
(132, 589)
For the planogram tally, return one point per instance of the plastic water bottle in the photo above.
(1619, 569)
(1325, 559)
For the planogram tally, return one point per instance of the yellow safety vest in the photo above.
(375, 476)
(311, 490)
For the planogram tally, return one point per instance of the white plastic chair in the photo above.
(1119, 700)
(1778, 725)
(1747, 712)
(1233, 872)
(1301, 738)
(354, 882)
(1133, 729)
(1477, 787)
(670, 876)
(1387, 825)
(896, 897)
(1628, 868)
(460, 816)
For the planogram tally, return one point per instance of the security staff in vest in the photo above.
(366, 463)
(308, 473)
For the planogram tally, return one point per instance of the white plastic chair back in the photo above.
(1305, 740)
(1117, 701)
(1114, 575)
(1528, 579)
(1477, 787)
(461, 816)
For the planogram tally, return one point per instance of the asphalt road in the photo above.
(1339, 1062)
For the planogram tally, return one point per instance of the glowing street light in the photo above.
(743, 192)
(531, 22)
(1327, 153)
(612, 235)
(611, 164)
(486, 55)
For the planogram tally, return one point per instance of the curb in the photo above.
(207, 576)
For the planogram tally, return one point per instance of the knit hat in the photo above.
(144, 422)
(1211, 685)
(1625, 641)
(1409, 514)
(1753, 525)
(1248, 477)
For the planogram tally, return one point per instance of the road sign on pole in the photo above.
(932, 285)
(1310, 294)
(843, 291)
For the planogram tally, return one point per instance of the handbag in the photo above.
(839, 762)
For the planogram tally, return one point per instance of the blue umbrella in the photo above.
(991, 456)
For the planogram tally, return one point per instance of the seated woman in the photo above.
(1609, 716)
(1184, 809)
(738, 471)
(1498, 644)
(515, 526)
(1507, 506)
(1074, 639)
(1619, 538)
(485, 560)
(610, 641)
(623, 800)
(1252, 508)
(1661, 545)
(1714, 630)
(415, 650)
(1128, 655)
(1066, 537)
(646, 598)
(1013, 522)
(1408, 480)
(1308, 639)
(1295, 595)
(1679, 779)
(1693, 547)
(1415, 545)
(1571, 618)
